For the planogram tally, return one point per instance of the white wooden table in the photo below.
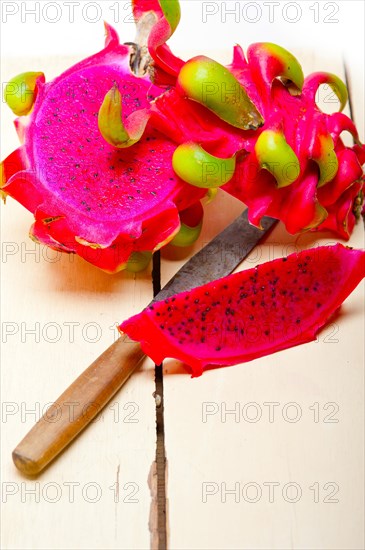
(266, 455)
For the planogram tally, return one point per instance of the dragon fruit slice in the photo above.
(274, 306)
(295, 167)
(88, 197)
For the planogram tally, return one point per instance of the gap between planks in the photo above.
(160, 460)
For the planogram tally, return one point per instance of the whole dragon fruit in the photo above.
(274, 306)
(295, 167)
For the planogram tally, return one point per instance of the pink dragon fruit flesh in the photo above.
(274, 306)
(87, 196)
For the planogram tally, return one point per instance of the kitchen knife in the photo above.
(94, 388)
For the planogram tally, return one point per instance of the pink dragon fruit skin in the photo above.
(274, 306)
(313, 136)
(326, 187)
(86, 196)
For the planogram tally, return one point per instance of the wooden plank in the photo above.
(117, 452)
(269, 454)
(58, 314)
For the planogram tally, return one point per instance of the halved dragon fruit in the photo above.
(88, 197)
(274, 306)
(109, 159)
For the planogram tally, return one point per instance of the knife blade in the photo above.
(219, 257)
(93, 389)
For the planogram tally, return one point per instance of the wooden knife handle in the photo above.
(77, 406)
